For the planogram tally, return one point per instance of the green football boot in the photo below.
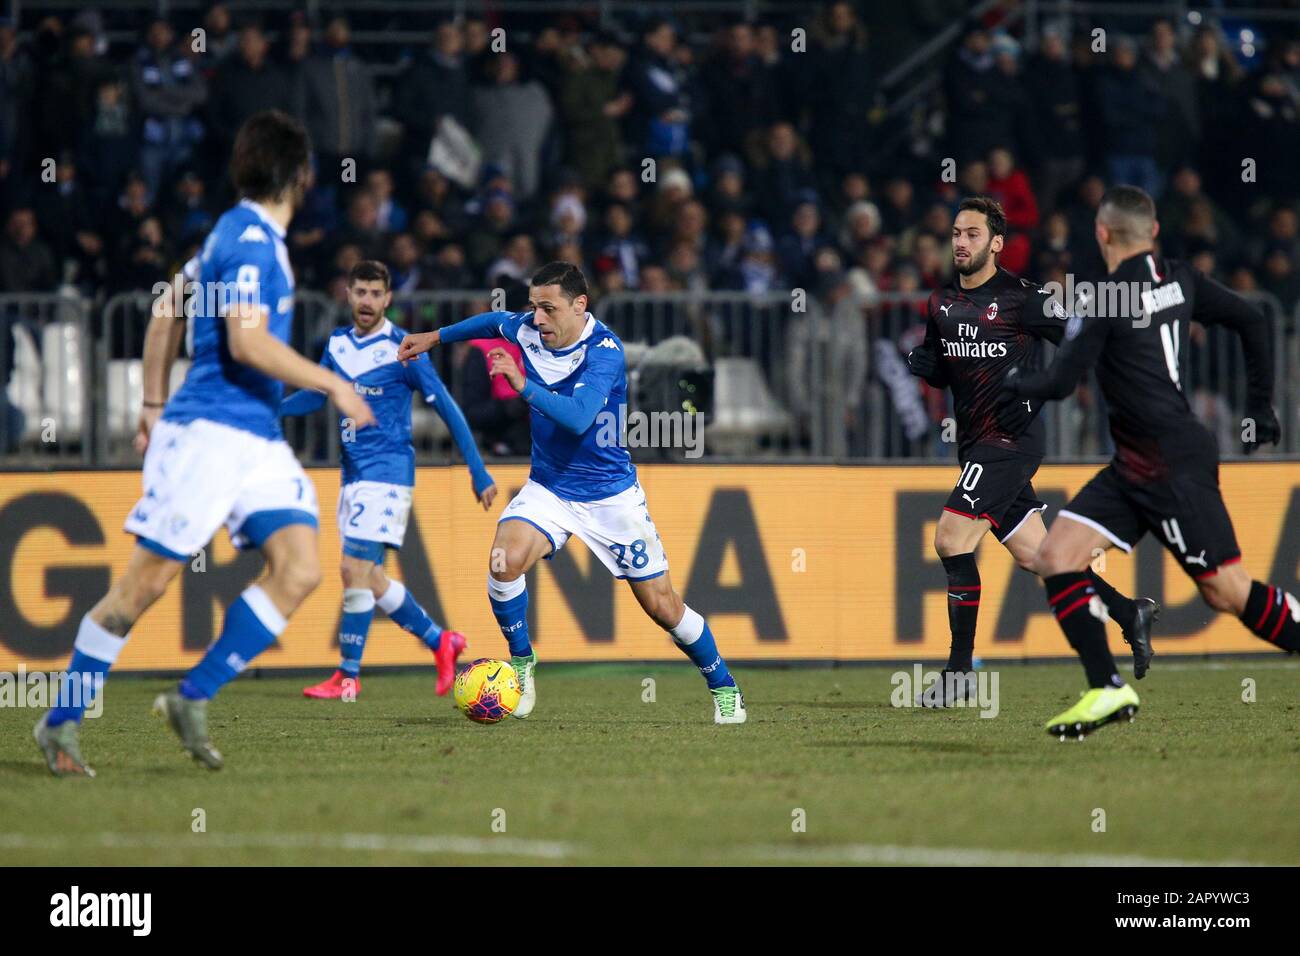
(1096, 708)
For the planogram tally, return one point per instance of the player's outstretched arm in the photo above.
(252, 345)
(302, 402)
(430, 384)
(485, 325)
(415, 344)
(1079, 351)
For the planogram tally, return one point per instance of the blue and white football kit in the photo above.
(217, 455)
(379, 470)
(582, 480)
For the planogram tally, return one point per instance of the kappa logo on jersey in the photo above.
(534, 348)
(608, 344)
(254, 233)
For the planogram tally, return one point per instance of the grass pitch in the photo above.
(597, 775)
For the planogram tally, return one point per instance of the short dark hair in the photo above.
(992, 210)
(566, 275)
(370, 270)
(1128, 212)
(271, 151)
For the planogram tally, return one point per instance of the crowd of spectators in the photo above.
(471, 160)
(112, 160)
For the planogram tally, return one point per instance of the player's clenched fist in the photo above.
(504, 364)
(922, 362)
(415, 344)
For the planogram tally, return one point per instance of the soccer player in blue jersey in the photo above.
(581, 483)
(378, 473)
(214, 453)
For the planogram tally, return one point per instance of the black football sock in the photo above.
(1122, 610)
(963, 608)
(1268, 615)
(1070, 596)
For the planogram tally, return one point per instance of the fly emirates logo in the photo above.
(968, 344)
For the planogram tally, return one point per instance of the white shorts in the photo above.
(201, 475)
(374, 511)
(618, 530)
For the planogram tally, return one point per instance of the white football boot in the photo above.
(728, 705)
(526, 668)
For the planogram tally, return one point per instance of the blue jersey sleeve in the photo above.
(578, 411)
(485, 325)
(424, 378)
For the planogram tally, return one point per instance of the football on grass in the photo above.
(487, 691)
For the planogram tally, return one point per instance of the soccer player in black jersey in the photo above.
(982, 324)
(1164, 477)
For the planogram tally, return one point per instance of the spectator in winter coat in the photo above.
(168, 90)
(1131, 108)
(335, 98)
(512, 117)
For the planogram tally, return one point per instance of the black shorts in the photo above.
(1185, 511)
(996, 485)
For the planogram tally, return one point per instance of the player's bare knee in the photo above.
(1218, 595)
(1049, 560)
(137, 592)
(946, 544)
(667, 609)
(505, 564)
(299, 579)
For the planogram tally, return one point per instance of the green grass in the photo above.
(598, 776)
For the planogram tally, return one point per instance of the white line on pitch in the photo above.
(415, 843)
(960, 856)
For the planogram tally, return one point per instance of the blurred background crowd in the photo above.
(485, 147)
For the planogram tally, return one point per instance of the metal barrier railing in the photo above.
(793, 376)
(47, 368)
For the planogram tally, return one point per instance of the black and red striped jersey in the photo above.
(1138, 342)
(978, 335)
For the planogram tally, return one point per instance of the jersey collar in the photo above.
(262, 214)
(385, 328)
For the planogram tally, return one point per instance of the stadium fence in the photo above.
(781, 377)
